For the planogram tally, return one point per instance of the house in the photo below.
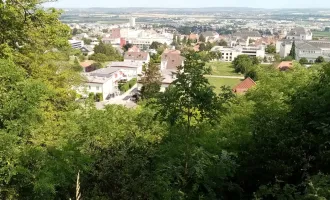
(299, 33)
(104, 81)
(313, 49)
(76, 44)
(129, 68)
(244, 86)
(193, 37)
(285, 65)
(137, 56)
(254, 35)
(134, 48)
(87, 50)
(210, 35)
(170, 61)
(87, 65)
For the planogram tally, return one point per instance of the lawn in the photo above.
(222, 69)
(218, 82)
(321, 34)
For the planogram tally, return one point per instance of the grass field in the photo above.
(321, 34)
(222, 69)
(218, 82)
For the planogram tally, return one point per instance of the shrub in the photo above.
(98, 97)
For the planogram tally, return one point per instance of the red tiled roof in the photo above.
(86, 63)
(243, 86)
(134, 49)
(142, 56)
(284, 65)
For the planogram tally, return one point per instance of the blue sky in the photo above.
(192, 3)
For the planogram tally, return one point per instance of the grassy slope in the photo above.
(222, 69)
(218, 82)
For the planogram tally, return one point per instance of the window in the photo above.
(97, 87)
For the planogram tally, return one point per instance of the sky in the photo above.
(192, 3)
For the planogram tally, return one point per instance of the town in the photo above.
(173, 100)
(271, 41)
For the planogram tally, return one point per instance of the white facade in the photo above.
(285, 49)
(76, 44)
(104, 81)
(230, 53)
(132, 22)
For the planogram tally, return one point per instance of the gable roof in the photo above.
(284, 65)
(134, 49)
(140, 56)
(243, 86)
(86, 63)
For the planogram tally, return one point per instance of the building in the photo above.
(312, 49)
(76, 44)
(87, 66)
(285, 65)
(299, 33)
(170, 61)
(230, 53)
(134, 49)
(130, 69)
(104, 81)
(244, 86)
(132, 22)
(210, 35)
(254, 35)
(137, 56)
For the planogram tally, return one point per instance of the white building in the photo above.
(230, 53)
(299, 33)
(76, 44)
(130, 69)
(312, 49)
(104, 81)
(132, 22)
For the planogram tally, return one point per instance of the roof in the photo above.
(247, 34)
(171, 51)
(243, 86)
(125, 64)
(86, 63)
(306, 46)
(285, 65)
(134, 49)
(173, 58)
(141, 56)
(297, 31)
(209, 33)
(101, 75)
(193, 36)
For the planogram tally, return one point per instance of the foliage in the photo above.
(151, 81)
(293, 51)
(127, 46)
(319, 59)
(87, 41)
(155, 45)
(277, 58)
(288, 58)
(123, 87)
(303, 61)
(271, 48)
(222, 42)
(98, 97)
(201, 38)
(190, 97)
(105, 52)
(242, 63)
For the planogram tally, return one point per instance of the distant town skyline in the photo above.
(191, 4)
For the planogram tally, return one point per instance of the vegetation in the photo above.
(221, 68)
(303, 61)
(125, 86)
(217, 83)
(242, 63)
(105, 52)
(151, 81)
(319, 59)
(187, 143)
(271, 49)
(293, 51)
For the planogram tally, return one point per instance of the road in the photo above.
(235, 77)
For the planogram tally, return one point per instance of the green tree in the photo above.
(293, 51)
(106, 49)
(288, 58)
(184, 40)
(127, 46)
(319, 59)
(271, 49)
(242, 63)
(190, 97)
(201, 38)
(256, 61)
(303, 61)
(277, 58)
(87, 41)
(151, 81)
(202, 47)
(99, 57)
(155, 45)
(222, 43)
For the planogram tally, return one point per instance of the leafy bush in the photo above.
(98, 97)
